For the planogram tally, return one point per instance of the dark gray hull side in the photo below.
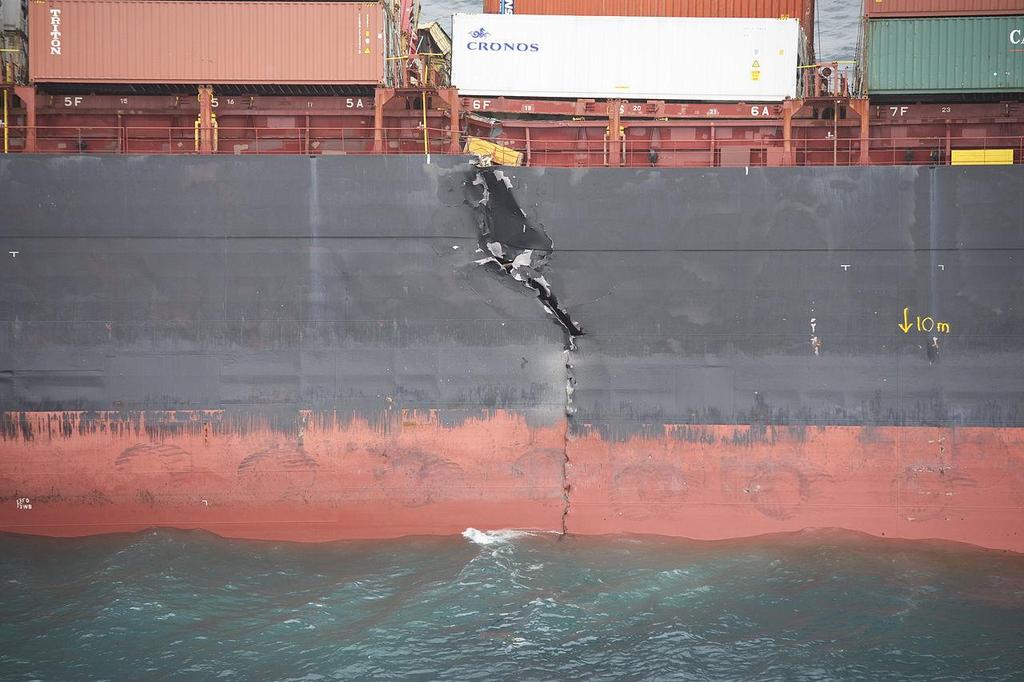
(260, 284)
(698, 289)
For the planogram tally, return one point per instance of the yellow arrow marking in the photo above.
(906, 321)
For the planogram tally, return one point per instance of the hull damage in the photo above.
(318, 349)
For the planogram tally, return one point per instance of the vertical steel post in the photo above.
(787, 131)
(835, 133)
(863, 109)
(205, 119)
(381, 96)
(865, 134)
(455, 146)
(7, 80)
(378, 121)
(614, 138)
(27, 95)
(426, 139)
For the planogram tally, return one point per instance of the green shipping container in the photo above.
(945, 55)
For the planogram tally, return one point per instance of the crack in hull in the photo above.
(522, 249)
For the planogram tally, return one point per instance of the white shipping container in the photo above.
(519, 55)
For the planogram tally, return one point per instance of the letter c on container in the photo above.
(470, 46)
(1019, 40)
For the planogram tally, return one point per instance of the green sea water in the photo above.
(506, 605)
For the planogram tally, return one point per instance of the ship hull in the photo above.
(320, 349)
(356, 481)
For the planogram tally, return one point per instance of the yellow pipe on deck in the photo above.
(426, 143)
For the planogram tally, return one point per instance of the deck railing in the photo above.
(538, 149)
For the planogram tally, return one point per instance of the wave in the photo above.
(493, 537)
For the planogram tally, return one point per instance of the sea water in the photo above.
(508, 605)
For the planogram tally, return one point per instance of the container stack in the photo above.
(947, 49)
(13, 42)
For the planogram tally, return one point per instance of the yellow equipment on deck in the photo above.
(982, 157)
(501, 156)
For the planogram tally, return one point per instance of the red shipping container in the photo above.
(759, 9)
(156, 41)
(941, 8)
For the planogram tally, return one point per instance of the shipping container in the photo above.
(939, 8)
(152, 41)
(949, 55)
(747, 60)
(741, 9)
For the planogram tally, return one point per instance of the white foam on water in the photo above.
(493, 537)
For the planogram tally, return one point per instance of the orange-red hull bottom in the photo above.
(65, 474)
